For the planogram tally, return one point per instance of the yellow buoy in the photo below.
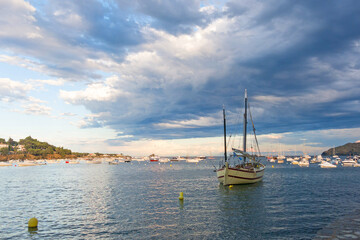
(33, 222)
(272, 166)
(170, 165)
(230, 186)
(181, 196)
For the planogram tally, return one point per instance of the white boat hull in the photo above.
(348, 163)
(325, 164)
(27, 164)
(233, 176)
(5, 164)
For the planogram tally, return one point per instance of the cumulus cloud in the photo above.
(177, 81)
(13, 90)
(99, 92)
(175, 63)
(36, 109)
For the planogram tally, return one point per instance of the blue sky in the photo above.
(151, 76)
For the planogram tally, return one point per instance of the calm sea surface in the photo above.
(139, 200)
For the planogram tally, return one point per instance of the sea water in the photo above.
(139, 200)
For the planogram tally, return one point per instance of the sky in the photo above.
(152, 76)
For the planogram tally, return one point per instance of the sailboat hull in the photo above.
(233, 176)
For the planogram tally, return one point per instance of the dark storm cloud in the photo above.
(105, 27)
(177, 16)
(177, 63)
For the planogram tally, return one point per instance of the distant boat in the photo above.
(154, 158)
(5, 164)
(325, 164)
(348, 162)
(250, 170)
(72, 162)
(356, 165)
(192, 160)
(27, 163)
(304, 163)
(164, 160)
(114, 162)
(94, 161)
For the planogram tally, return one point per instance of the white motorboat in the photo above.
(304, 163)
(192, 160)
(348, 162)
(250, 170)
(5, 164)
(325, 164)
(27, 163)
(73, 162)
(114, 162)
(164, 160)
(94, 161)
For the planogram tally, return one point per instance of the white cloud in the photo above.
(20, 24)
(69, 18)
(101, 92)
(193, 123)
(68, 114)
(12, 90)
(36, 109)
(51, 82)
(272, 136)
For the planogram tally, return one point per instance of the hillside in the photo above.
(347, 149)
(33, 149)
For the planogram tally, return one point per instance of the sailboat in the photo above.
(250, 170)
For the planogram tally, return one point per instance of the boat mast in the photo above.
(224, 134)
(245, 123)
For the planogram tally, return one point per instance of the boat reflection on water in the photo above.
(245, 206)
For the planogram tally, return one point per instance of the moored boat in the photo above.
(27, 163)
(94, 161)
(154, 158)
(5, 164)
(250, 170)
(73, 162)
(192, 160)
(164, 160)
(325, 164)
(114, 162)
(348, 162)
(304, 163)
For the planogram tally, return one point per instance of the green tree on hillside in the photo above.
(4, 151)
(11, 142)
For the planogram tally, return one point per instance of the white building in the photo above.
(3, 145)
(20, 148)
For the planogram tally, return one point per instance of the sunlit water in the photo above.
(140, 201)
